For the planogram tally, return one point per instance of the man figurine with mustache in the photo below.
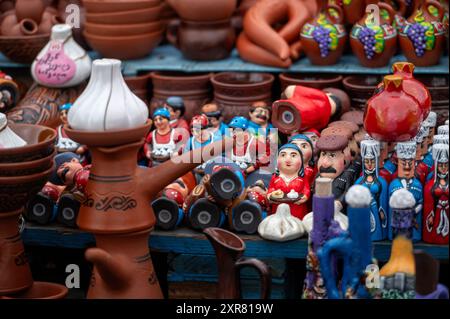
(259, 119)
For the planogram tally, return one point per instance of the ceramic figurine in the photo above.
(427, 277)
(421, 170)
(9, 139)
(345, 132)
(281, 226)
(175, 105)
(259, 119)
(305, 144)
(289, 184)
(355, 116)
(303, 108)
(64, 143)
(62, 62)
(395, 106)
(353, 247)
(370, 151)
(215, 121)
(390, 163)
(375, 44)
(402, 221)
(406, 153)
(313, 136)
(443, 129)
(323, 229)
(9, 92)
(229, 249)
(436, 207)
(397, 276)
(431, 121)
(323, 38)
(422, 38)
(161, 143)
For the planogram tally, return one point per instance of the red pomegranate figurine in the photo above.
(392, 115)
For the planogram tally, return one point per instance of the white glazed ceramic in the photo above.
(72, 57)
(107, 103)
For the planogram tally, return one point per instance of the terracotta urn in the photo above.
(393, 115)
(323, 38)
(320, 82)
(235, 92)
(195, 89)
(373, 44)
(423, 38)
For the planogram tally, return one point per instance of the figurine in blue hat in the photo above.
(215, 121)
(162, 142)
(64, 143)
(176, 107)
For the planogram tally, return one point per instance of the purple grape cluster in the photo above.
(416, 33)
(322, 37)
(367, 37)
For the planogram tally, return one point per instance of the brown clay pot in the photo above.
(96, 6)
(41, 290)
(235, 92)
(375, 58)
(29, 9)
(40, 105)
(125, 17)
(315, 81)
(229, 249)
(27, 167)
(6, 5)
(111, 30)
(195, 89)
(432, 55)
(40, 140)
(360, 88)
(124, 47)
(202, 41)
(139, 85)
(353, 10)
(49, 19)
(204, 10)
(23, 49)
(438, 87)
(11, 27)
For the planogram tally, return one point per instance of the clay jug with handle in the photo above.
(29, 9)
(12, 27)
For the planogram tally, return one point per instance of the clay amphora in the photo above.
(353, 10)
(422, 40)
(29, 9)
(374, 45)
(229, 249)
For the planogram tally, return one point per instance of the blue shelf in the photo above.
(168, 58)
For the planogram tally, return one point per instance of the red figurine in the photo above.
(175, 105)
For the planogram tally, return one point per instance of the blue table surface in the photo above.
(186, 241)
(168, 58)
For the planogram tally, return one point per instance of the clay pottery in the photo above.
(235, 92)
(400, 7)
(353, 10)
(125, 17)
(392, 115)
(12, 27)
(360, 88)
(438, 87)
(41, 290)
(6, 5)
(195, 89)
(229, 249)
(63, 15)
(107, 6)
(23, 49)
(124, 47)
(202, 41)
(139, 85)
(425, 20)
(374, 45)
(14, 88)
(49, 19)
(40, 105)
(27, 167)
(111, 30)
(40, 140)
(315, 81)
(327, 26)
(29, 9)
(204, 10)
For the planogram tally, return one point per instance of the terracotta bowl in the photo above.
(124, 30)
(27, 168)
(107, 6)
(23, 49)
(360, 88)
(125, 17)
(438, 87)
(40, 141)
(41, 290)
(124, 48)
(16, 191)
(204, 10)
(315, 81)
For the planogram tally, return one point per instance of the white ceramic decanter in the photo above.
(62, 62)
(107, 103)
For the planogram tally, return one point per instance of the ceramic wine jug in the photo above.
(323, 38)
(374, 44)
(422, 40)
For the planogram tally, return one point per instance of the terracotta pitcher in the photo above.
(229, 249)
(353, 10)
(423, 38)
(323, 38)
(373, 44)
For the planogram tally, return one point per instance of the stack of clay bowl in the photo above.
(23, 172)
(25, 29)
(360, 88)
(123, 29)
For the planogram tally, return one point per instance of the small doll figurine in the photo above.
(406, 153)
(9, 92)
(259, 123)
(175, 105)
(70, 172)
(436, 206)
(307, 148)
(370, 151)
(314, 136)
(430, 122)
(215, 121)
(288, 184)
(443, 129)
(161, 143)
(422, 169)
(64, 143)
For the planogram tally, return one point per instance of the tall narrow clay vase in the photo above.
(229, 249)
